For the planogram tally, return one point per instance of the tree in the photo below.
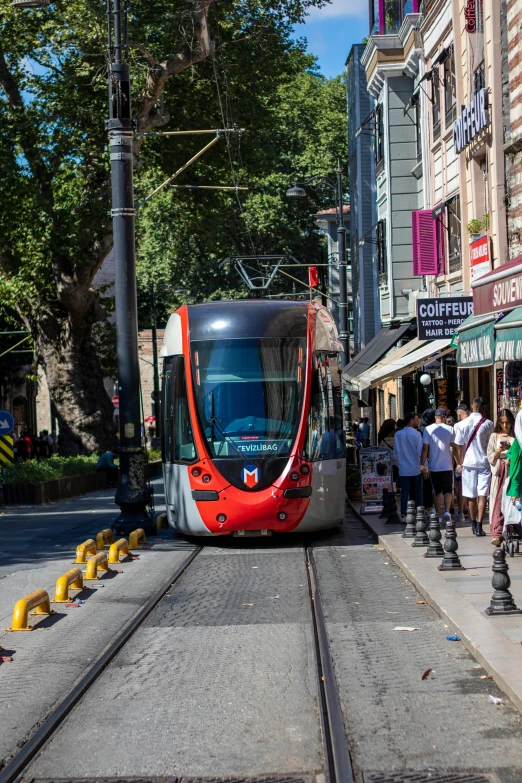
(54, 194)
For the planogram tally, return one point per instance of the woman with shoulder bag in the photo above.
(499, 442)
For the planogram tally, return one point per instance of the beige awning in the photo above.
(397, 366)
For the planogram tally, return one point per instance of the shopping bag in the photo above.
(512, 516)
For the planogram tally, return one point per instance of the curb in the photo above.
(488, 645)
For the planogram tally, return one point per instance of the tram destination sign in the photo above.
(439, 318)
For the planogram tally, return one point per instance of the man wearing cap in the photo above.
(438, 447)
(472, 439)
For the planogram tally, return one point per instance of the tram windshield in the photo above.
(249, 394)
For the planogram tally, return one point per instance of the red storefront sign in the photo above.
(470, 14)
(500, 289)
(479, 258)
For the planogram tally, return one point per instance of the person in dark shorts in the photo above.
(438, 450)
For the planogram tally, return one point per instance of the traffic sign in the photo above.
(6, 423)
(115, 400)
(6, 450)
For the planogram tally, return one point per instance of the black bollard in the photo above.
(410, 531)
(435, 547)
(502, 600)
(451, 561)
(421, 538)
(385, 504)
(393, 517)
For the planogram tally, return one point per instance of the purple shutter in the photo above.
(424, 240)
(441, 261)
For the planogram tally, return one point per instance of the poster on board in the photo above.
(376, 472)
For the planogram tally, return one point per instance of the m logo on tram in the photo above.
(250, 475)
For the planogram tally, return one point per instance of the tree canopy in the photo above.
(194, 65)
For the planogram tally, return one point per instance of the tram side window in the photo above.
(325, 437)
(180, 446)
(165, 411)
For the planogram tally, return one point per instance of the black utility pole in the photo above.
(132, 495)
(156, 383)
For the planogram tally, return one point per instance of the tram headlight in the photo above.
(196, 472)
(281, 516)
(294, 476)
(206, 478)
(305, 469)
(221, 518)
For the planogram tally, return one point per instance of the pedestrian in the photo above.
(500, 441)
(462, 414)
(513, 485)
(438, 450)
(400, 425)
(385, 440)
(427, 418)
(472, 437)
(364, 429)
(407, 449)
(107, 465)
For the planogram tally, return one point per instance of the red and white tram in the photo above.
(253, 440)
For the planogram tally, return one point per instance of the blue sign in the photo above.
(6, 423)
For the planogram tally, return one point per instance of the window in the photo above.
(435, 108)
(450, 88)
(177, 436)
(249, 394)
(479, 78)
(453, 218)
(382, 265)
(392, 404)
(379, 139)
(415, 100)
(325, 437)
(382, 412)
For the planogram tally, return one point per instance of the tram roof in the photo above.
(247, 318)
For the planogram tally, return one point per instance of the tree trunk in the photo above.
(68, 355)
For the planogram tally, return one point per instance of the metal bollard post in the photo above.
(393, 518)
(502, 600)
(410, 531)
(435, 547)
(421, 537)
(451, 561)
(385, 504)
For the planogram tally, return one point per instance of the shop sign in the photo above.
(508, 348)
(470, 15)
(500, 389)
(500, 294)
(439, 318)
(376, 472)
(479, 260)
(476, 346)
(473, 119)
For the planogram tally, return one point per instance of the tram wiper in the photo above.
(214, 422)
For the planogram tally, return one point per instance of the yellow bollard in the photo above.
(119, 547)
(162, 522)
(72, 579)
(136, 538)
(39, 601)
(87, 548)
(95, 564)
(103, 538)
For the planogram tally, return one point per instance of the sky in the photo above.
(332, 30)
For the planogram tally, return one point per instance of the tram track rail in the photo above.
(43, 734)
(337, 761)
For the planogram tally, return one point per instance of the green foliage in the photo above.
(153, 455)
(32, 471)
(475, 226)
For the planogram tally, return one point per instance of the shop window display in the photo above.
(513, 386)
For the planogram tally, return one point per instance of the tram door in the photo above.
(325, 442)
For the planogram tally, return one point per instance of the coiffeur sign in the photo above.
(473, 119)
(500, 289)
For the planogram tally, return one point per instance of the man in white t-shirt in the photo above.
(462, 415)
(472, 439)
(438, 447)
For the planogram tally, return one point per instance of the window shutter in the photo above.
(441, 255)
(424, 239)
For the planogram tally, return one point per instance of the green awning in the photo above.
(476, 346)
(508, 337)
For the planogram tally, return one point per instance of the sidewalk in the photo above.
(461, 597)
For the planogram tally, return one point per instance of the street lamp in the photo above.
(133, 495)
(298, 191)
